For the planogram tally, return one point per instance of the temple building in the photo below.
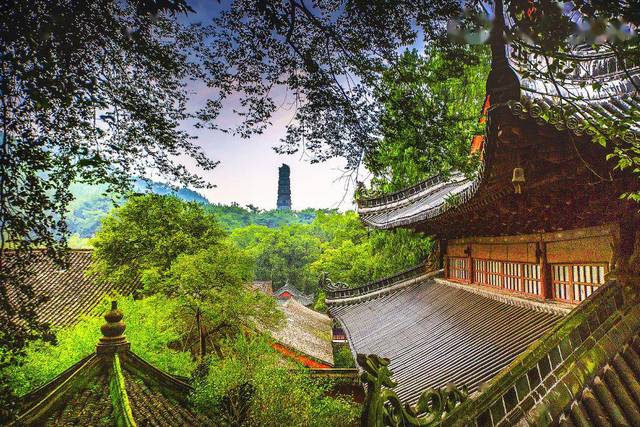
(529, 302)
(111, 386)
(284, 188)
(288, 291)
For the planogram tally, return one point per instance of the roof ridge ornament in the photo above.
(113, 339)
(502, 84)
(326, 284)
(383, 407)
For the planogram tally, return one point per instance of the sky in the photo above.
(248, 169)
(248, 172)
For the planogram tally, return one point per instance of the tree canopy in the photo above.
(148, 233)
(427, 121)
(177, 249)
(211, 286)
(333, 56)
(90, 92)
(335, 243)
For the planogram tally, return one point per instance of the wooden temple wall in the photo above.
(566, 266)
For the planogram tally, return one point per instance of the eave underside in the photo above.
(568, 185)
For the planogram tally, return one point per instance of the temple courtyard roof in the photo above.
(437, 333)
(69, 292)
(306, 331)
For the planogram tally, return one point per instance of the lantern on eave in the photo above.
(518, 179)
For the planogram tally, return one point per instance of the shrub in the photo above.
(282, 395)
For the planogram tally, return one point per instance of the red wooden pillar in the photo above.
(470, 266)
(546, 284)
(446, 267)
(572, 294)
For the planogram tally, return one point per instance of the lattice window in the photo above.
(574, 283)
(561, 282)
(459, 268)
(480, 271)
(494, 273)
(512, 279)
(586, 279)
(531, 276)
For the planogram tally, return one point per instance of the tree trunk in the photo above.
(201, 334)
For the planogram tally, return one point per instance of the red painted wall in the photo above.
(298, 357)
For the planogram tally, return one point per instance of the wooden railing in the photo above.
(576, 282)
(413, 272)
(400, 195)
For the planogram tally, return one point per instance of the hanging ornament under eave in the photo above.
(518, 180)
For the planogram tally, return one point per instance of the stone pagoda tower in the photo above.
(284, 188)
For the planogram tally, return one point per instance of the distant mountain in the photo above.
(91, 205)
(185, 194)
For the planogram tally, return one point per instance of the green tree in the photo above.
(333, 56)
(336, 243)
(210, 287)
(381, 254)
(335, 228)
(282, 254)
(148, 233)
(89, 92)
(354, 255)
(431, 107)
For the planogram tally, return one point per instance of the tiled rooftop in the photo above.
(111, 387)
(437, 334)
(306, 331)
(71, 292)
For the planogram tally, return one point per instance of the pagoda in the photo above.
(284, 188)
(529, 302)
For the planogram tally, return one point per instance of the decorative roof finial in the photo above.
(112, 339)
(502, 84)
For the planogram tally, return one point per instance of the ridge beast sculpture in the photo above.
(383, 408)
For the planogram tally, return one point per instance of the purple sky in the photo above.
(248, 172)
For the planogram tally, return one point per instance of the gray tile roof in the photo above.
(437, 334)
(306, 331)
(613, 397)
(71, 292)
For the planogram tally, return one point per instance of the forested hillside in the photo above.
(90, 205)
(280, 246)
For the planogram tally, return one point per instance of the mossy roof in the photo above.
(111, 387)
(306, 331)
(108, 390)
